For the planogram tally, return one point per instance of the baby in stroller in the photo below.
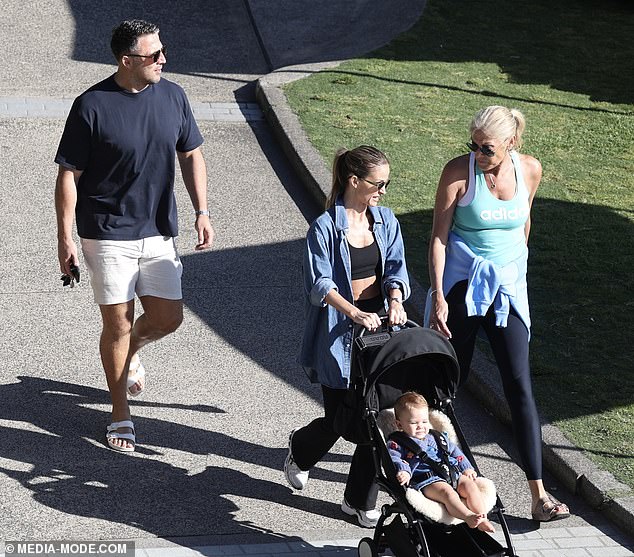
(429, 462)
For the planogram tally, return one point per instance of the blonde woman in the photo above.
(477, 263)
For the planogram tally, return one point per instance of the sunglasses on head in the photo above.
(377, 185)
(155, 55)
(484, 149)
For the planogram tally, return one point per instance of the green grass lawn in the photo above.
(569, 67)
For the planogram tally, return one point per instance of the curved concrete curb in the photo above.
(566, 462)
(304, 158)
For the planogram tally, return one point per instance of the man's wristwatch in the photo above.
(202, 212)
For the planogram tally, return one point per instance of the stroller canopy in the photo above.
(415, 359)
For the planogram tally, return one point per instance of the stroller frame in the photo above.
(418, 535)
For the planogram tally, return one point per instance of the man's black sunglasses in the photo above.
(70, 279)
(484, 149)
(155, 55)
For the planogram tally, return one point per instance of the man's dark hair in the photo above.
(126, 35)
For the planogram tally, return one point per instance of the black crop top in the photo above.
(365, 262)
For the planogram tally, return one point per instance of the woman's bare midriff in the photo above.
(365, 288)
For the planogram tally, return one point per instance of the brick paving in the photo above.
(582, 541)
(43, 107)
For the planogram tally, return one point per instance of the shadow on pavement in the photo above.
(66, 466)
(295, 188)
(200, 36)
(246, 36)
(537, 42)
(263, 315)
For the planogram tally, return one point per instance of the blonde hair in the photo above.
(407, 402)
(355, 162)
(501, 123)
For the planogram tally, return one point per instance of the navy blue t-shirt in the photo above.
(125, 144)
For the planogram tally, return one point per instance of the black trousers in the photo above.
(510, 347)
(312, 442)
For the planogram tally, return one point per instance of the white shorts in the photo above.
(120, 268)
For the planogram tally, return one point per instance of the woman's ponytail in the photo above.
(354, 162)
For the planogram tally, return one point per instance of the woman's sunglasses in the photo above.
(484, 149)
(377, 185)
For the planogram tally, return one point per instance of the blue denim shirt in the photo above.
(328, 335)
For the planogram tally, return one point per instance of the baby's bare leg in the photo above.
(468, 489)
(442, 492)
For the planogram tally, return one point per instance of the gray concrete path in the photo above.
(224, 391)
(46, 107)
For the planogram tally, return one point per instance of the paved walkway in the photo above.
(580, 541)
(206, 479)
(43, 107)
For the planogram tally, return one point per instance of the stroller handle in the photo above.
(409, 324)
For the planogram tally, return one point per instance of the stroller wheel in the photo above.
(367, 548)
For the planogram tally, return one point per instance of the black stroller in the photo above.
(385, 365)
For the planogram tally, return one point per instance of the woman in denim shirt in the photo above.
(354, 271)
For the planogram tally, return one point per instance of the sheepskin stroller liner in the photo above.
(385, 365)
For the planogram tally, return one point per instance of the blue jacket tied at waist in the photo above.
(488, 283)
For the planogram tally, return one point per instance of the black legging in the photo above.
(510, 348)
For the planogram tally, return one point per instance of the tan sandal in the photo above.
(550, 509)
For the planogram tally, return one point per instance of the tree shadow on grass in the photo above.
(582, 47)
(580, 272)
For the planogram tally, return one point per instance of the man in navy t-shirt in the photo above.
(116, 176)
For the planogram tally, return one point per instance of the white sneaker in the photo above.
(294, 475)
(367, 519)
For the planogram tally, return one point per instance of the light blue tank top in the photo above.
(492, 228)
